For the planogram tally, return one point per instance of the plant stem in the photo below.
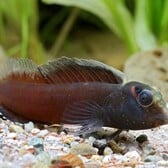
(2, 30)
(25, 29)
(64, 32)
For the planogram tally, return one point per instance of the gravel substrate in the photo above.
(30, 147)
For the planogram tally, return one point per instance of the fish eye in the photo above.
(145, 98)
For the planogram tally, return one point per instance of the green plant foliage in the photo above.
(19, 19)
(111, 12)
(145, 28)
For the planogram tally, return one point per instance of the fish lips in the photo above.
(162, 118)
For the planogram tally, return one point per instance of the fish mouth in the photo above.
(164, 116)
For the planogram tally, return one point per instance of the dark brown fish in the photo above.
(78, 91)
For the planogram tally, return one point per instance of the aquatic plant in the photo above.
(145, 27)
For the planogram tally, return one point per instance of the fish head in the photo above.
(144, 106)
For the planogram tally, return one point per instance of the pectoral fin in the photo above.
(87, 114)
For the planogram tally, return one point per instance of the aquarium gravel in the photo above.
(28, 146)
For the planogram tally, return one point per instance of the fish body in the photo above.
(47, 103)
(74, 91)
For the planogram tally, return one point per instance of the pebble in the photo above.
(96, 157)
(68, 139)
(142, 138)
(27, 160)
(83, 149)
(16, 128)
(165, 156)
(115, 147)
(38, 144)
(107, 159)
(133, 156)
(43, 133)
(163, 163)
(74, 143)
(152, 158)
(28, 126)
(107, 151)
(100, 145)
(12, 135)
(35, 141)
(43, 157)
(35, 131)
(91, 140)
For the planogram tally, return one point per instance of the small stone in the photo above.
(38, 144)
(61, 164)
(68, 139)
(133, 156)
(165, 156)
(74, 143)
(100, 144)
(15, 128)
(28, 126)
(107, 151)
(115, 147)
(35, 131)
(28, 160)
(91, 140)
(152, 158)
(93, 164)
(83, 149)
(43, 133)
(43, 157)
(26, 149)
(12, 135)
(6, 164)
(107, 159)
(40, 165)
(163, 163)
(35, 141)
(142, 138)
(96, 157)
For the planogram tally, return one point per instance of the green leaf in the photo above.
(144, 35)
(124, 22)
(164, 24)
(111, 12)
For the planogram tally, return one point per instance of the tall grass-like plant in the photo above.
(146, 28)
(18, 29)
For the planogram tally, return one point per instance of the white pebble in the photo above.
(35, 131)
(28, 126)
(11, 135)
(91, 140)
(43, 133)
(107, 151)
(27, 159)
(133, 156)
(96, 157)
(163, 163)
(107, 159)
(74, 143)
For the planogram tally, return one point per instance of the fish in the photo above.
(76, 91)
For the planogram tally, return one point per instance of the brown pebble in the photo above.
(115, 147)
(61, 164)
(157, 53)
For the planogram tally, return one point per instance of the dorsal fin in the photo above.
(69, 70)
(20, 70)
(62, 70)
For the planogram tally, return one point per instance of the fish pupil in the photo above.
(145, 98)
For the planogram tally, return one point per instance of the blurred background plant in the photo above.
(42, 29)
